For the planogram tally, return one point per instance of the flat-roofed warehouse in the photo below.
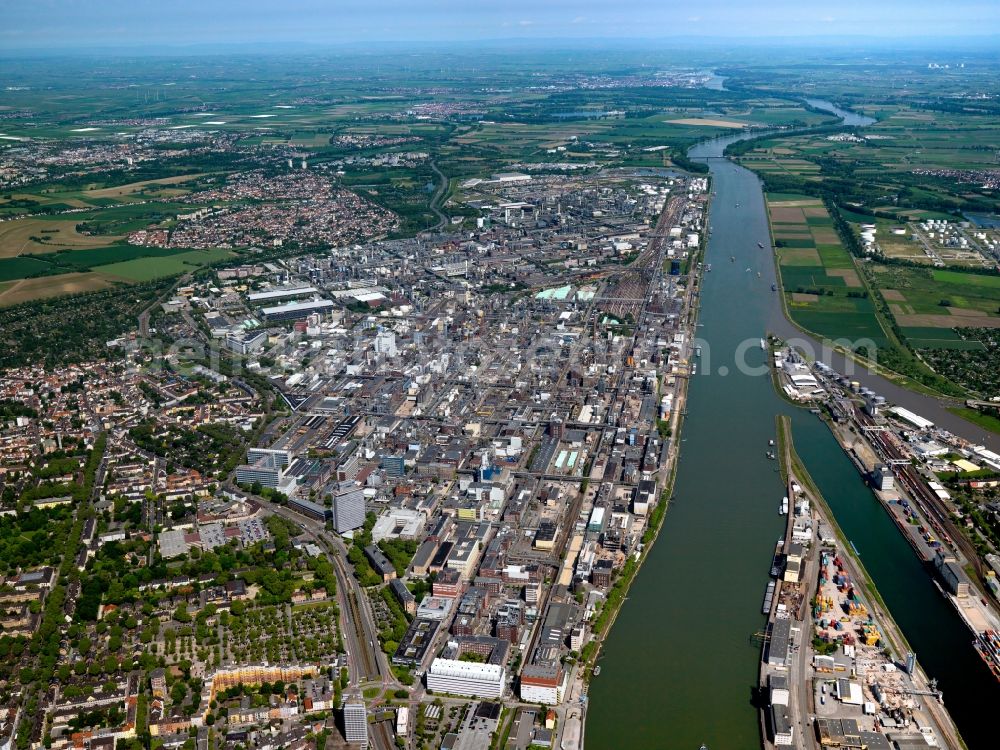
(282, 293)
(914, 419)
(778, 644)
(296, 310)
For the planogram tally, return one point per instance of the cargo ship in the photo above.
(776, 562)
(768, 597)
(987, 645)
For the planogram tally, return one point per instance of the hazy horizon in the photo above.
(54, 25)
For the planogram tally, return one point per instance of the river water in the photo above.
(680, 665)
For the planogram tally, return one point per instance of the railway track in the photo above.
(929, 504)
(363, 654)
(381, 737)
(363, 649)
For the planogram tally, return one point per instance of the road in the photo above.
(436, 198)
(144, 315)
(366, 661)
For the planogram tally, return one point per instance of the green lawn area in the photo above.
(983, 420)
(144, 269)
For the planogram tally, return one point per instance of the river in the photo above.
(680, 665)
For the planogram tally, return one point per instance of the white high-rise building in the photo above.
(385, 343)
(348, 507)
(355, 721)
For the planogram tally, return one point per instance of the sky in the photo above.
(54, 24)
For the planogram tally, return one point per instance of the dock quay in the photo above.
(835, 669)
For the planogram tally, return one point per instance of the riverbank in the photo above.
(618, 595)
(679, 667)
(897, 387)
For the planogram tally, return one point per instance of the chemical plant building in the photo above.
(296, 310)
(466, 678)
(348, 510)
(265, 469)
(380, 563)
(277, 295)
(416, 642)
(404, 596)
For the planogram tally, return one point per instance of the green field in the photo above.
(145, 269)
(944, 298)
(969, 279)
(878, 167)
(20, 268)
(101, 256)
(823, 291)
(939, 338)
(98, 258)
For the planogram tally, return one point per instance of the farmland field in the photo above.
(134, 187)
(954, 298)
(101, 256)
(69, 261)
(951, 318)
(45, 235)
(823, 291)
(25, 290)
(19, 268)
(145, 269)
(912, 163)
